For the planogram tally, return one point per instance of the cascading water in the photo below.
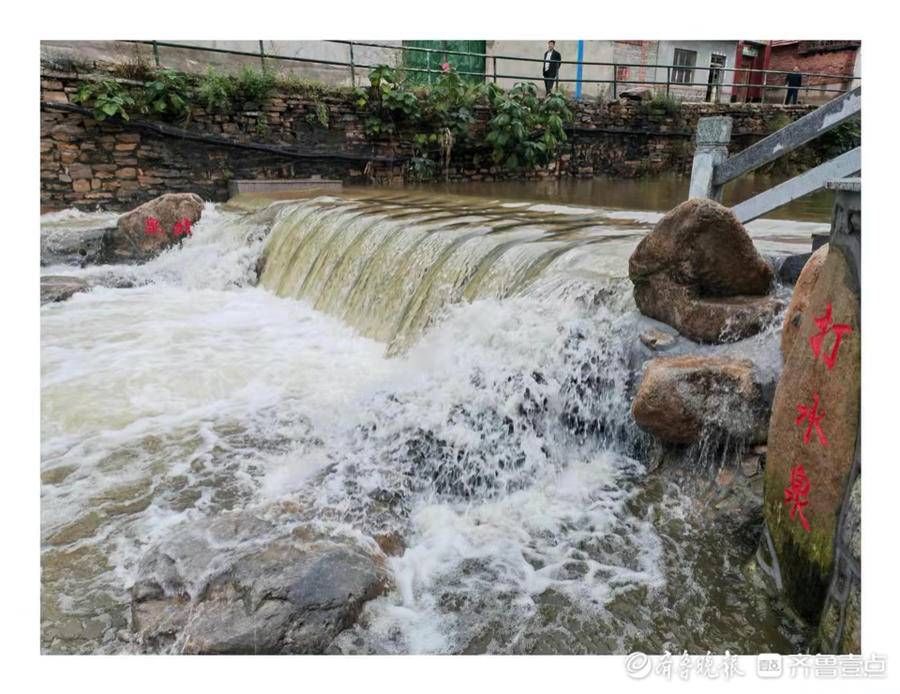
(453, 371)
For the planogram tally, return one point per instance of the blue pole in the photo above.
(578, 70)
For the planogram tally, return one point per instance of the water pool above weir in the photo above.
(495, 441)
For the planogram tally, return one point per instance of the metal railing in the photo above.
(678, 77)
(712, 167)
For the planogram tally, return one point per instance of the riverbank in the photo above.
(301, 130)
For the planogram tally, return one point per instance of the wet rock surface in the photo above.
(130, 242)
(814, 424)
(682, 398)
(699, 272)
(658, 340)
(277, 594)
(77, 247)
(800, 299)
(788, 268)
(61, 287)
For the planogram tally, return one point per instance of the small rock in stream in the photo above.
(60, 287)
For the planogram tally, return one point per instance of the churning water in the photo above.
(453, 371)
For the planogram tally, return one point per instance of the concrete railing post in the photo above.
(713, 136)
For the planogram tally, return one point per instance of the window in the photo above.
(683, 72)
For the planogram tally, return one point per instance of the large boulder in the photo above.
(130, 240)
(699, 272)
(800, 299)
(235, 585)
(682, 398)
(814, 433)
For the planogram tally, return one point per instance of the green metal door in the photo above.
(432, 61)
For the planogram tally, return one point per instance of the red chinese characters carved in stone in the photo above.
(797, 493)
(152, 227)
(812, 416)
(825, 324)
(182, 227)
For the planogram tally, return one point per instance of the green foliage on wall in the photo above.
(254, 86)
(169, 95)
(216, 91)
(523, 129)
(526, 130)
(108, 99)
(166, 95)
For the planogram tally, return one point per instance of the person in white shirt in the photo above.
(552, 59)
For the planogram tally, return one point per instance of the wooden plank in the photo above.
(798, 133)
(842, 166)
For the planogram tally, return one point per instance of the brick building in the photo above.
(833, 65)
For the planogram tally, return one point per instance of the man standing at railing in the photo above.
(793, 82)
(552, 59)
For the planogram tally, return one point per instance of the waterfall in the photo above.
(389, 267)
(455, 371)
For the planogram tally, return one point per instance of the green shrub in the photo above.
(843, 138)
(526, 130)
(420, 169)
(107, 99)
(254, 85)
(661, 103)
(166, 95)
(779, 121)
(216, 91)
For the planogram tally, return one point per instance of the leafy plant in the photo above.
(526, 130)
(291, 84)
(843, 138)
(451, 102)
(166, 95)
(216, 91)
(781, 120)
(262, 125)
(323, 113)
(254, 86)
(662, 104)
(420, 169)
(107, 99)
(388, 103)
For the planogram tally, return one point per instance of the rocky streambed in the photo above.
(232, 463)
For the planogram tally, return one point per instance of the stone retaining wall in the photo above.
(86, 163)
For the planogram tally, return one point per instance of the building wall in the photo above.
(833, 58)
(186, 60)
(594, 51)
(633, 59)
(704, 50)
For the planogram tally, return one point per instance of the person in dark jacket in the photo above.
(793, 82)
(552, 59)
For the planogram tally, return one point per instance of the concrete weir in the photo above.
(237, 186)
